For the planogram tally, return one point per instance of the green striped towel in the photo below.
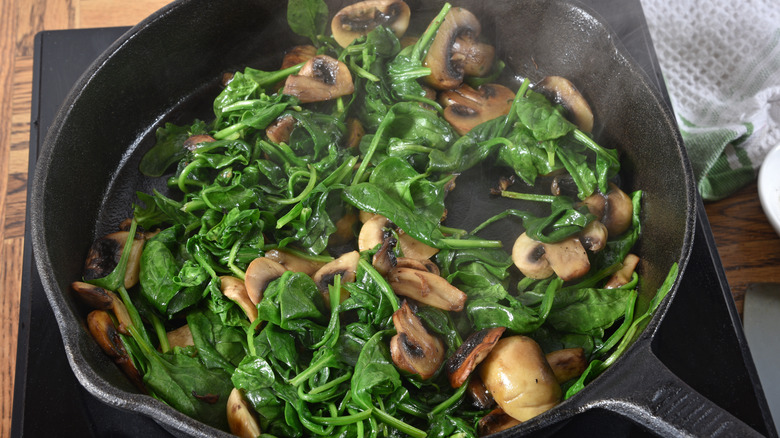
(721, 65)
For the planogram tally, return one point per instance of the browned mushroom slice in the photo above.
(426, 288)
(376, 229)
(615, 209)
(240, 416)
(192, 143)
(421, 265)
(297, 55)
(102, 299)
(384, 259)
(471, 353)
(104, 255)
(567, 258)
(466, 107)
(102, 328)
(180, 337)
(234, 289)
(361, 18)
(518, 376)
(478, 393)
(454, 47)
(259, 274)
(528, 256)
(345, 266)
(293, 262)
(321, 78)
(623, 276)
(279, 131)
(567, 364)
(594, 236)
(414, 349)
(561, 91)
(495, 421)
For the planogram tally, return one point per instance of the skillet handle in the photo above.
(663, 403)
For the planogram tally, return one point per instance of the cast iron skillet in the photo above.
(168, 69)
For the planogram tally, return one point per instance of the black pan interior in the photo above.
(169, 67)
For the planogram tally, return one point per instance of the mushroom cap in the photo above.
(560, 90)
(466, 107)
(240, 417)
(446, 64)
(102, 328)
(528, 256)
(471, 353)
(280, 129)
(615, 209)
(297, 55)
(103, 299)
(495, 421)
(361, 18)
(192, 143)
(259, 274)
(427, 288)
(594, 236)
(321, 78)
(518, 376)
(180, 337)
(413, 348)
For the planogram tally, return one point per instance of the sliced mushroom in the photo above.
(567, 258)
(466, 107)
(102, 328)
(259, 274)
(279, 131)
(471, 353)
(321, 78)
(192, 143)
(345, 266)
(528, 256)
(561, 91)
(365, 216)
(413, 348)
(293, 262)
(384, 259)
(478, 393)
(297, 55)
(240, 416)
(615, 209)
(181, 337)
(102, 299)
(361, 18)
(567, 364)
(495, 421)
(234, 289)
(104, 255)
(421, 265)
(518, 376)
(455, 47)
(373, 233)
(623, 276)
(426, 288)
(594, 236)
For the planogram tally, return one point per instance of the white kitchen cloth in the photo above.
(720, 61)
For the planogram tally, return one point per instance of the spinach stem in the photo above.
(470, 243)
(326, 360)
(527, 196)
(162, 336)
(306, 191)
(422, 45)
(402, 427)
(446, 404)
(380, 131)
(380, 281)
(344, 419)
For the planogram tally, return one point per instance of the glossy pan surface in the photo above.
(168, 68)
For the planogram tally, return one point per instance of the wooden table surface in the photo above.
(748, 246)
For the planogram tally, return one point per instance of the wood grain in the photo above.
(20, 21)
(748, 246)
